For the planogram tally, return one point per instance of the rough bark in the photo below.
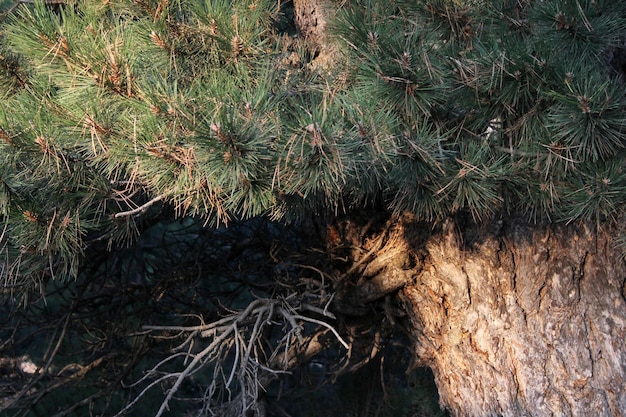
(529, 321)
(311, 18)
(523, 321)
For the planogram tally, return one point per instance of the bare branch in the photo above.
(141, 208)
(236, 341)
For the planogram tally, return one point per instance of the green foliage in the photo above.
(119, 115)
(516, 120)
(113, 108)
(589, 117)
(399, 61)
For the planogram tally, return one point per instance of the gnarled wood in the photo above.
(530, 323)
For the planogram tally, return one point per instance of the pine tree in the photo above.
(435, 108)
(119, 115)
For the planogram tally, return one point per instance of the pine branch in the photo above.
(141, 209)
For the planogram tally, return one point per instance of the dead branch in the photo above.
(141, 208)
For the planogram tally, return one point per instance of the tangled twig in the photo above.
(236, 341)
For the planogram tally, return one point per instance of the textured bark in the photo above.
(311, 19)
(525, 322)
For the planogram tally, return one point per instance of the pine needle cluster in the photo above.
(112, 110)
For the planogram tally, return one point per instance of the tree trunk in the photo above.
(311, 18)
(520, 321)
(523, 322)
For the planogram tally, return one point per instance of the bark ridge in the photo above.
(529, 322)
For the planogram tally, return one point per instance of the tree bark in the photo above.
(525, 320)
(311, 18)
(529, 321)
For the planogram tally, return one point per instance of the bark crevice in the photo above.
(507, 324)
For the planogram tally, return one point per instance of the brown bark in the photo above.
(531, 322)
(311, 18)
(528, 321)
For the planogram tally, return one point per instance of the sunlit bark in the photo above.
(529, 322)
